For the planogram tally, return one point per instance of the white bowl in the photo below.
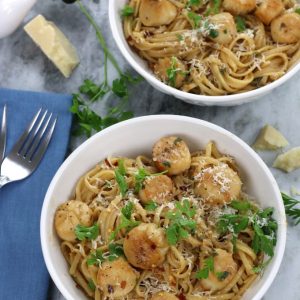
(137, 136)
(115, 7)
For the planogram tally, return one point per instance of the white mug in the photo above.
(12, 13)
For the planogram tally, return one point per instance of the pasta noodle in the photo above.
(215, 47)
(151, 228)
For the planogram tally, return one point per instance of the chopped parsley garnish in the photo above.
(115, 251)
(151, 206)
(89, 233)
(222, 275)
(172, 72)
(166, 164)
(127, 11)
(213, 33)
(181, 223)
(290, 207)
(297, 10)
(125, 220)
(91, 285)
(262, 223)
(262, 266)
(241, 206)
(195, 18)
(95, 258)
(240, 23)
(179, 37)
(140, 177)
(214, 9)
(178, 140)
(194, 3)
(120, 173)
(208, 267)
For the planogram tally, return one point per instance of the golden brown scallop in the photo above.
(224, 270)
(226, 28)
(286, 28)
(239, 7)
(68, 216)
(167, 63)
(217, 184)
(157, 12)
(116, 278)
(156, 188)
(145, 246)
(171, 154)
(268, 10)
(164, 296)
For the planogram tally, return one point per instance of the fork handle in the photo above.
(3, 181)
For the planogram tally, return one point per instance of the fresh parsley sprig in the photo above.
(125, 220)
(120, 174)
(290, 207)
(86, 120)
(181, 222)
(151, 206)
(208, 267)
(195, 19)
(240, 23)
(84, 232)
(127, 11)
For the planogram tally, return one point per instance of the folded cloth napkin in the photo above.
(23, 274)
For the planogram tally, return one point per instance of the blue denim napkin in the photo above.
(23, 274)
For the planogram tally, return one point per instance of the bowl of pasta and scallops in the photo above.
(209, 52)
(163, 207)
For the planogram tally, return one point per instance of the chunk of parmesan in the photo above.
(53, 43)
(288, 161)
(270, 138)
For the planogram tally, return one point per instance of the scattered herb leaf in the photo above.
(89, 233)
(91, 285)
(115, 251)
(240, 23)
(127, 11)
(95, 258)
(195, 18)
(151, 206)
(208, 267)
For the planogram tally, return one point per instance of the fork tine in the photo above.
(31, 136)
(37, 139)
(22, 139)
(3, 130)
(37, 156)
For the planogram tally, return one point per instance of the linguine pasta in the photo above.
(215, 47)
(172, 226)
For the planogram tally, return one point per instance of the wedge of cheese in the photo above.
(53, 43)
(288, 161)
(270, 138)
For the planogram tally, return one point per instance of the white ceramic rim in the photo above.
(281, 239)
(235, 99)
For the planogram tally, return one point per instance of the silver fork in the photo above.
(29, 149)
(3, 136)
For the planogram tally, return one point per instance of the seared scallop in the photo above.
(156, 188)
(116, 278)
(171, 154)
(239, 7)
(224, 270)
(146, 246)
(171, 63)
(286, 28)
(268, 10)
(157, 12)
(217, 184)
(225, 28)
(68, 216)
(164, 296)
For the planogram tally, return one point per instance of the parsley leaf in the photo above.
(120, 178)
(262, 266)
(127, 11)
(151, 206)
(290, 207)
(222, 275)
(91, 285)
(181, 223)
(242, 206)
(125, 221)
(95, 258)
(195, 18)
(115, 251)
(172, 72)
(83, 232)
(140, 177)
(208, 267)
(240, 23)
(194, 3)
(297, 10)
